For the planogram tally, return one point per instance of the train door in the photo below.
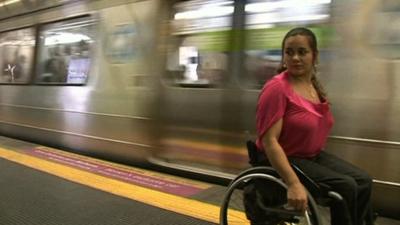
(199, 103)
(219, 55)
(363, 89)
(265, 23)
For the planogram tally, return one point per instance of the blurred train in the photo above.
(174, 84)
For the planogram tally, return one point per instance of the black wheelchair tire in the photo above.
(313, 217)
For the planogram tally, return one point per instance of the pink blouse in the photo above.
(306, 125)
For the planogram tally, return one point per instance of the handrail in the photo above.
(75, 111)
(365, 140)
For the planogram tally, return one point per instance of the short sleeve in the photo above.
(270, 107)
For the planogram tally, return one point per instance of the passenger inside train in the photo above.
(293, 122)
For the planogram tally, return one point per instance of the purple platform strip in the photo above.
(112, 172)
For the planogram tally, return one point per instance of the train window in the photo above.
(17, 49)
(266, 23)
(198, 44)
(382, 31)
(65, 51)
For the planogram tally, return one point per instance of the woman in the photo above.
(293, 122)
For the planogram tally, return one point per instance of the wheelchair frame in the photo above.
(257, 173)
(323, 195)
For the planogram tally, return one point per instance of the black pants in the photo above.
(351, 182)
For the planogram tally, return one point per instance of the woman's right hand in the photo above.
(297, 196)
(296, 193)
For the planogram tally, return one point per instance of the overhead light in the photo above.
(65, 38)
(262, 7)
(308, 17)
(8, 2)
(259, 7)
(272, 18)
(204, 12)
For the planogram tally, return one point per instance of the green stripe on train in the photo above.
(256, 39)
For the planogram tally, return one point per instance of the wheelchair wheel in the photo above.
(242, 203)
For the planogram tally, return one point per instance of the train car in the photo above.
(174, 84)
(86, 81)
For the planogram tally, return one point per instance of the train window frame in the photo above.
(31, 62)
(382, 42)
(198, 71)
(276, 31)
(90, 18)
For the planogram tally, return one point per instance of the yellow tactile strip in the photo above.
(159, 199)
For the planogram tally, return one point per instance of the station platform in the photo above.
(45, 186)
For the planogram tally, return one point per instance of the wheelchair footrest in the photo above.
(284, 212)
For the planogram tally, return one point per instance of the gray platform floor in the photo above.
(31, 197)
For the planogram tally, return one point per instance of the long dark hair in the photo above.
(312, 41)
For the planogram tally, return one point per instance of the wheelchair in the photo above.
(257, 196)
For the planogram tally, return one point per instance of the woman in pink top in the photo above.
(293, 122)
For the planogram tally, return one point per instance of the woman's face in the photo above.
(298, 56)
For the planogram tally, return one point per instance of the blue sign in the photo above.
(122, 45)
